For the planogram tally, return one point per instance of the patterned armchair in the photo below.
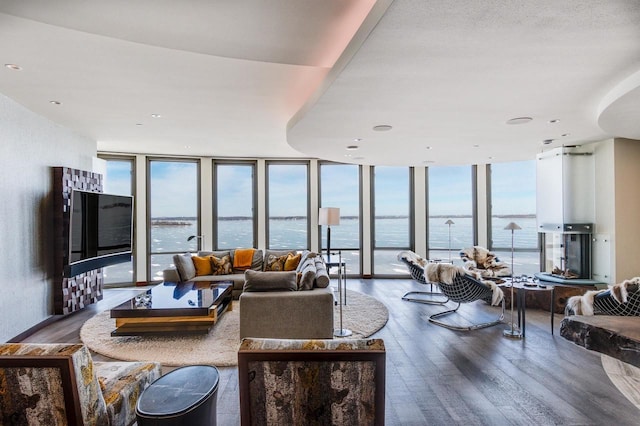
(59, 384)
(311, 382)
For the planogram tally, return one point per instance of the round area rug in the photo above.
(364, 315)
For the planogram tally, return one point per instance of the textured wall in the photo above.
(29, 146)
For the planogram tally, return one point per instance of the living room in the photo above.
(38, 135)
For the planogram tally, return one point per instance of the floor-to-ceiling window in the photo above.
(234, 205)
(119, 180)
(450, 210)
(513, 199)
(340, 187)
(173, 204)
(392, 218)
(287, 205)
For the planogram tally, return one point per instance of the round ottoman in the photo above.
(184, 396)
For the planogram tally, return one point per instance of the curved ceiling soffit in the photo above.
(619, 109)
(368, 24)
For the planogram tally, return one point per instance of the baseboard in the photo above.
(20, 337)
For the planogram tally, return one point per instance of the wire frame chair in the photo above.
(605, 304)
(465, 289)
(416, 271)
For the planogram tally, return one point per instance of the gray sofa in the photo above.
(274, 303)
(311, 268)
(271, 306)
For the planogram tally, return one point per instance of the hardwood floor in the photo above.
(437, 376)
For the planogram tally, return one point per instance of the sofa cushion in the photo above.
(274, 260)
(185, 266)
(307, 276)
(221, 265)
(292, 261)
(257, 263)
(322, 276)
(269, 281)
(202, 265)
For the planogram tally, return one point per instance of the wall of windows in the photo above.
(119, 180)
(450, 198)
(270, 207)
(173, 204)
(513, 199)
(340, 187)
(392, 218)
(234, 205)
(288, 205)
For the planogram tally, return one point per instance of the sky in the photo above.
(450, 192)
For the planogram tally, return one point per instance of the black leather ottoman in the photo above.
(184, 396)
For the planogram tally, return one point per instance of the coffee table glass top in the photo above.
(189, 296)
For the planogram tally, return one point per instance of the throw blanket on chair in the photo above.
(446, 272)
(583, 305)
(479, 259)
(243, 258)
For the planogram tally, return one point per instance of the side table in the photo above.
(342, 289)
(521, 292)
(184, 396)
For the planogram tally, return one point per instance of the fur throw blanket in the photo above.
(446, 272)
(479, 259)
(583, 305)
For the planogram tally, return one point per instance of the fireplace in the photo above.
(565, 212)
(566, 253)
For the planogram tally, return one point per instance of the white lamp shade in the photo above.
(329, 216)
(512, 226)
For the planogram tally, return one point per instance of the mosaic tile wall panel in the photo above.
(75, 293)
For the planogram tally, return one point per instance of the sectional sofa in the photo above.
(282, 294)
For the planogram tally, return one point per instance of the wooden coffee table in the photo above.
(170, 308)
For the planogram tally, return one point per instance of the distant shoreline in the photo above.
(186, 221)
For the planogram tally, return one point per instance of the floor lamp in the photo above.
(200, 237)
(512, 333)
(329, 216)
(449, 222)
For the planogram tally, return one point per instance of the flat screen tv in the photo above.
(100, 231)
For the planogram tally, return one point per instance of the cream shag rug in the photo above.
(364, 315)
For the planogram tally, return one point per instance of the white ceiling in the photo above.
(306, 78)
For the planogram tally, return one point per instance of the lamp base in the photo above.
(512, 333)
(342, 332)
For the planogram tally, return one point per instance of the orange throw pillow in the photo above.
(291, 264)
(202, 265)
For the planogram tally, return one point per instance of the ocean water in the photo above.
(170, 236)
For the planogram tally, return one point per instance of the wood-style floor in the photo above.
(436, 376)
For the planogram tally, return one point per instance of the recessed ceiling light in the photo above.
(357, 139)
(476, 146)
(138, 124)
(428, 147)
(347, 155)
(564, 135)
(519, 120)
(155, 116)
(187, 146)
(55, 102)
(13, 67)
(547, 141)
(382, 128)
(554, 121)
(352, 147)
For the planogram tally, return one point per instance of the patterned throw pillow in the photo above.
(276, 263)
(222, 265)
(292, 261)
(202, 265)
